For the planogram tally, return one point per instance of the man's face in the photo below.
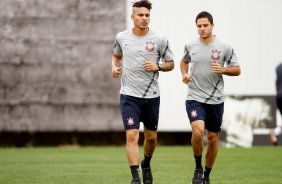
(204, 28)
(141, 17)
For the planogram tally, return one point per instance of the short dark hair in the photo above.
(143, 3)
(204, 14)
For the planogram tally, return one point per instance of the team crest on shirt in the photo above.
(194, 113)
(215, 55)
(150, 46)
(130, 121)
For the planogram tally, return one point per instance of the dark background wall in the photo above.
(55, 65)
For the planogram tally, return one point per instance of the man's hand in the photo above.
(216, 68)
(150, 66)
(116, 71)
(186, 78)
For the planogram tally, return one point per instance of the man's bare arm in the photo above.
(116, 65)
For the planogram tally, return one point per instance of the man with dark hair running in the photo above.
(136, 57)
(203, 65)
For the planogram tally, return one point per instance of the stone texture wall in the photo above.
(55, 65)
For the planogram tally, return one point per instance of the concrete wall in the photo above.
(55, 60)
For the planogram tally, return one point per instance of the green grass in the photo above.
(107, 165)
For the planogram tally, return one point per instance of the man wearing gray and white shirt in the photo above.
(136, 57)
(208, 59)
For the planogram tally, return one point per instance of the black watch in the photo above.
(160, 68)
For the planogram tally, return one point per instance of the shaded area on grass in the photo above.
(22, 139)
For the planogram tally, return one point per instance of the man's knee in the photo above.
(198, 135)
(151, 136)
(198, 130)
(132, 136)
(212, 138)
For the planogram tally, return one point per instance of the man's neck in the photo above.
(208, 40)
(140, 32)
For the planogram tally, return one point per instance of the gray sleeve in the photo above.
(117, 48)
(186, 56)
(230, 57)
(165, 50)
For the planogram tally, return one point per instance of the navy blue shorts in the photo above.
(211, 114)
(135, 110)
(279, 102)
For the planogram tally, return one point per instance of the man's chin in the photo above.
(204, 37)
(144, 27)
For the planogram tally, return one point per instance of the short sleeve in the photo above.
(231, 58)
(165, 50)
(117, 48)
(186, 56)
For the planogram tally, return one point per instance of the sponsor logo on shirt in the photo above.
(215, 55)
(150, 46)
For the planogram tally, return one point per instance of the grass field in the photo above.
(108, 165)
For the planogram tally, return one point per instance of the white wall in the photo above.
(252, 27)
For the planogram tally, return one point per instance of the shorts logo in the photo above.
(130, 121)
(215, 56)
(150, 46)
(194, 113)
